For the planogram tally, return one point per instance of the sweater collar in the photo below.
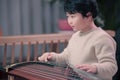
(87, 32)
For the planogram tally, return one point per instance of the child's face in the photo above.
(77, 21)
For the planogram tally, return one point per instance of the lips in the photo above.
(73, 26)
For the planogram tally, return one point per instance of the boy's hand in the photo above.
(88, 68)
(46, 57)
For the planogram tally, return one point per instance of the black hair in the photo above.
(81, 6)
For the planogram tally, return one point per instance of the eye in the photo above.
(72, 16)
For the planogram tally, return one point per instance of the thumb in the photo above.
(49, 56)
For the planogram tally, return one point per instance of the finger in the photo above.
(85, 69)
(49, 57)
(80, 66)
(46, 58)
(39, 58)
(89, 71)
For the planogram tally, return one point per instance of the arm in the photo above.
(56, 57)
(105, 49)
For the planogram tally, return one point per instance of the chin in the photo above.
(74, 29)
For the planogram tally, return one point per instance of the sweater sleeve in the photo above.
(105, 48)
(61, 58)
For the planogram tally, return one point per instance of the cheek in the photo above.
(79, 22)
(82, 22)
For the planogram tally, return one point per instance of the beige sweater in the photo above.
(95, 47)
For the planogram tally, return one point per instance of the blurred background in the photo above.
(24, 17)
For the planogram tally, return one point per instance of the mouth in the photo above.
(73, 26)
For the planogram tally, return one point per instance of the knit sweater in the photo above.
(94, 47)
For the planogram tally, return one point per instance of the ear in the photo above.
(89, 16)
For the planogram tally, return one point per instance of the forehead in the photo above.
(76, 14)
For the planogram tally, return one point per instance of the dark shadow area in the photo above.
(117, 39)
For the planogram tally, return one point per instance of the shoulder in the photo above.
(102, 37)
(102, 34)
(75, 34)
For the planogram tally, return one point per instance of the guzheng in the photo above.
(48, 71)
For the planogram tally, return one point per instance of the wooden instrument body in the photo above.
(42, 72)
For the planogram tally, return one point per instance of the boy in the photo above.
(90, 48)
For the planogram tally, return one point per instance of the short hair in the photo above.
(81, 6)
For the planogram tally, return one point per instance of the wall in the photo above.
(21, 17)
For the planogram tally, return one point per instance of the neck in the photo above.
(89, 27)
